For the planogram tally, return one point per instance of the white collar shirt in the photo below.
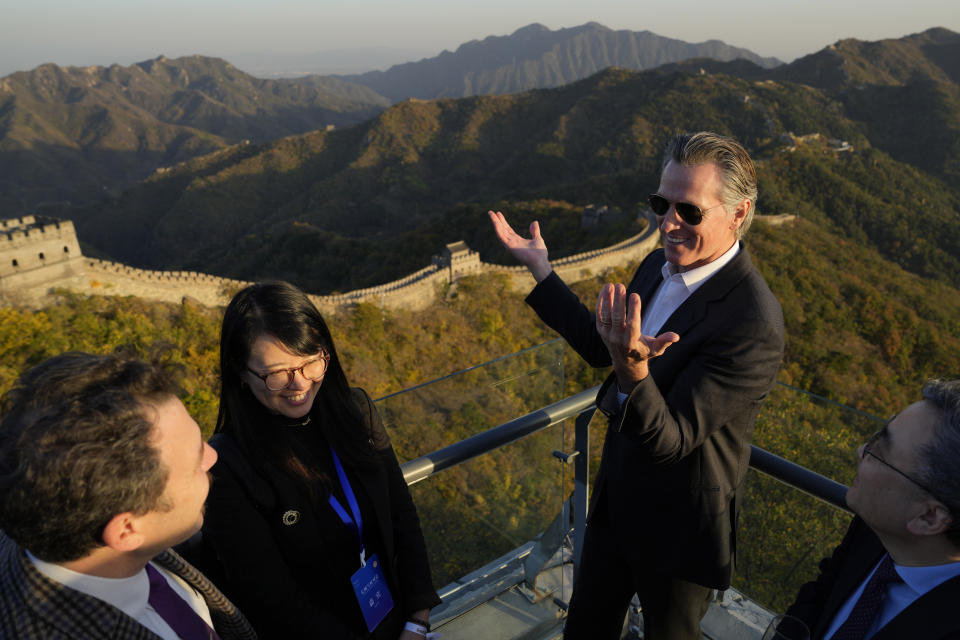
(674, 291)
(129, 595)
(677, 287)
(917, 582)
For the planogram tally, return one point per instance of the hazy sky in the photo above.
(71, 32)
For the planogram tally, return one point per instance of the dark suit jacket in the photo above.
(34, 606)
(931, 617)
(277, 570)
(679, 448)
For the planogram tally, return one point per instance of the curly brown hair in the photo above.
(76, 450)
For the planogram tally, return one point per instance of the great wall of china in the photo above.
(37, 256)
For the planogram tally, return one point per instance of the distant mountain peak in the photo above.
(933, 54)
(592, 26)
(532, 28)
(535, 57)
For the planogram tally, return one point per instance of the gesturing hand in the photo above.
(618, 323)
(532, 253)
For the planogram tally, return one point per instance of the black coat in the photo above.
(930, 617)
(277, 568)
(678, 450)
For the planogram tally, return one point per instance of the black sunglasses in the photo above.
(689, 213)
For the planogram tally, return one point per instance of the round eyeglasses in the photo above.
(312, 370)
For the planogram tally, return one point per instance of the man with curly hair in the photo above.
(101, 471)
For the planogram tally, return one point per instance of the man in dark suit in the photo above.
(681, 406)
(896, 575)
(101, 471)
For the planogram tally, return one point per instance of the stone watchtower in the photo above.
(37, 254)
(459, 259)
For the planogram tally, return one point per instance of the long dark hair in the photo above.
(283, 311)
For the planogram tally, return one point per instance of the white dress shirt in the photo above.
(674, 291)
(677, 287)
(127, 594)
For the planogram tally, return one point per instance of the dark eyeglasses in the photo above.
(867, 451)
(312, 370)
(689, 213)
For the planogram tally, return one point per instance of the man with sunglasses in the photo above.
(897, 572)
(681, 405)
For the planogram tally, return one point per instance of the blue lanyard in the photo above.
(355, 523)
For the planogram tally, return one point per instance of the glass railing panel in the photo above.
(783, 532)
(483, 508)
(814, 432)
(782, 535)
(479, 510)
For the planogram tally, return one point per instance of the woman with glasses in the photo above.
(308, 513)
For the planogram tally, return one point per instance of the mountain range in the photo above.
(69, 134)
(351, 207)
(75, 135)
(535, 57)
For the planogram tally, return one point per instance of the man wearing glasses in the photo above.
(681, 405)
(897, 572)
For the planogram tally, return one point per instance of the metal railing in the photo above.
(582, 406)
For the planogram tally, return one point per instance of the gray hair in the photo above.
(738, 175)
(937, 461)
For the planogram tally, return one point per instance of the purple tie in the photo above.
(870, 604)
(175, 611)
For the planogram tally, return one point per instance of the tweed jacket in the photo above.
(32, 606)
(677, 450)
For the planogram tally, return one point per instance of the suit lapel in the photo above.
(75, 614)
(695, 308)
(227, 620)
(932, 612)
(647, 279)
(865, 553)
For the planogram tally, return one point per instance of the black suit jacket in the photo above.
(931, 617)
(678, 449)
(277, 570)
(34, 606)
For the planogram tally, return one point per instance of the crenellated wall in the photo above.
(112, 278)
(38, 256)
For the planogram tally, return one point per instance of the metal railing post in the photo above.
(581, 479)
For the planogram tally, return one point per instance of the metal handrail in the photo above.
(789, 473)
(425, 466)
(799, 477)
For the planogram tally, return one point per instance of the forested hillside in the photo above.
(77, 134)
(860, 330)
(355, 207)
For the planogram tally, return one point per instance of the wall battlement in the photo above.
(37, 253)
(30, 280)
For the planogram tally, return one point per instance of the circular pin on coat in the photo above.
(291, 517)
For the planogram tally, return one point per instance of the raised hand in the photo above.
(619, 326)
(531, 252)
